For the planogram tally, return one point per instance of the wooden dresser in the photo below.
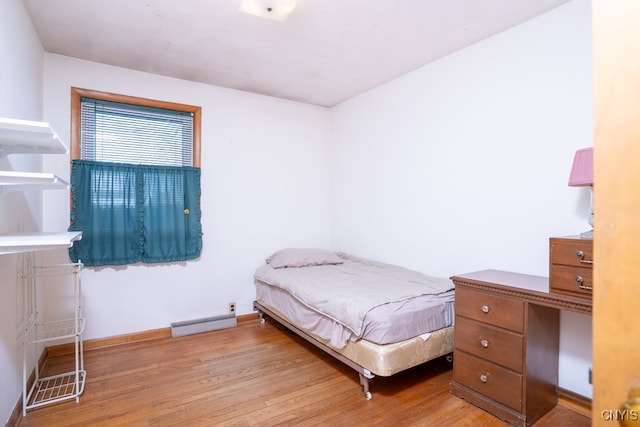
(507, 343)
(571, 265)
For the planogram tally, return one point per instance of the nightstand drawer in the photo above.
(575, 281)
(575, 252)
(492, 309)
(496, 345)
(500, 384)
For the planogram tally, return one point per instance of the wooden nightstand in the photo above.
(571, 265)
(507, 343)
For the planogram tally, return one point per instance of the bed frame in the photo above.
(365, 374)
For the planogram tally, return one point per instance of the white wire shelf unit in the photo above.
(33, 137)
(63, 386)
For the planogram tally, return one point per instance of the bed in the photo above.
(379, 319)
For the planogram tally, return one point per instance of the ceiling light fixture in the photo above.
(278, 10)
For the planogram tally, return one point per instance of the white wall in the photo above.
(20, 97)
(463, 164)
(265, 185)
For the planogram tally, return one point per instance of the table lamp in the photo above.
(582, 176)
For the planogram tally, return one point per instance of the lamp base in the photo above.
(587, 234)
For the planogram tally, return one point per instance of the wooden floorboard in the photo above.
(255, 375)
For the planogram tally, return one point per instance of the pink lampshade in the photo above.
(582, 170)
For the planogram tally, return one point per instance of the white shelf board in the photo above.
(18, 181)
(25, 136)
(27, 242)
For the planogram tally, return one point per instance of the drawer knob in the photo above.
(580, 255)
(484, 377)
(485, 308)
(484, 343)
(581, 285)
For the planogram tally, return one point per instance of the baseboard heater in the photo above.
(207, 324)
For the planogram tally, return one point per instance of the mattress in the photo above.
(385, 324)
(354, 298)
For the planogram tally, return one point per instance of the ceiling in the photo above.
(326, 52)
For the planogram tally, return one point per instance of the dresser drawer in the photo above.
(496, 345)
(500, 384)
(575, 281)
(492, 309)
(575, 252)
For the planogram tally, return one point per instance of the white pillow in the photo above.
(300, 257)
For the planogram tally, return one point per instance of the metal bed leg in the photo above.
(365, 375)
(364, 380)
(260, 313)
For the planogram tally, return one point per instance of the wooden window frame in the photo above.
(78, 93)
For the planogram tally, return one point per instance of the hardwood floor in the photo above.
(255, 375)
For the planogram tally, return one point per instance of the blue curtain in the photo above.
(134, 213)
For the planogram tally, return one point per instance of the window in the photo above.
(109, 131)
(135, 179)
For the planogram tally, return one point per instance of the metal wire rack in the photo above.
(60, 387)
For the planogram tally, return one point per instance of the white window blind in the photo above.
(125, 133)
